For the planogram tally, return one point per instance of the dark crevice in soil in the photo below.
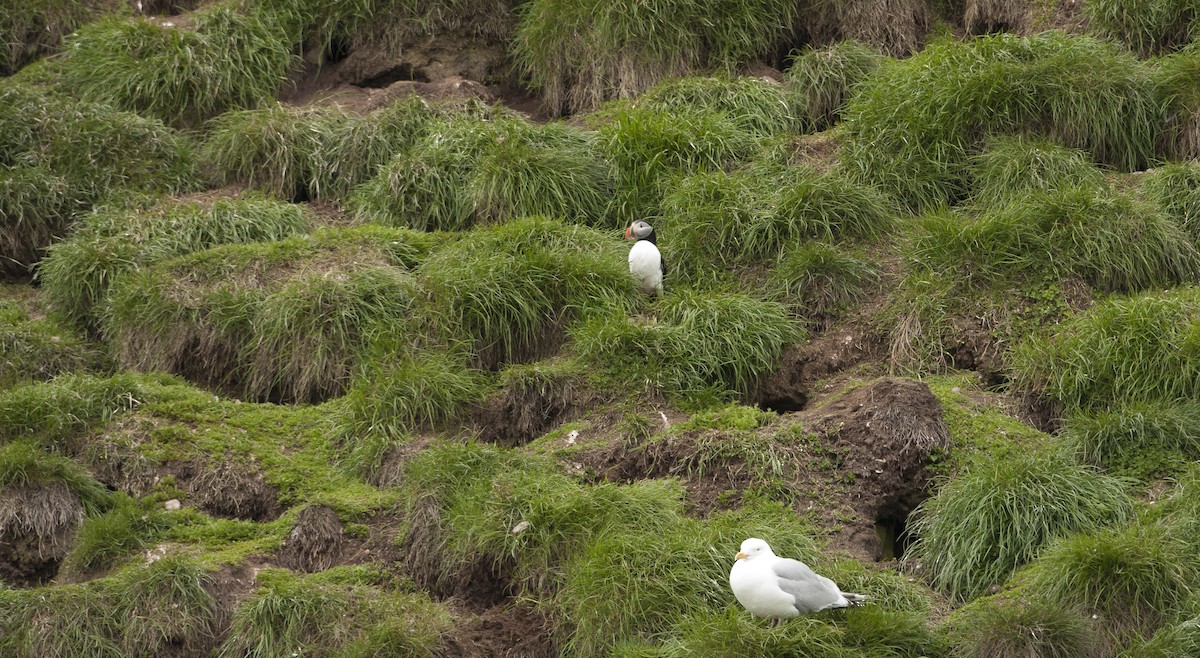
(400, 73)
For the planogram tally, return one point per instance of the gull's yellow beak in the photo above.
(740, 556)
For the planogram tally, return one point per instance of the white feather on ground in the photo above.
(771, 586)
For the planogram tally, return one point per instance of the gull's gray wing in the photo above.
(813, 592)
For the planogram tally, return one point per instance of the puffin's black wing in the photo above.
(662, 265)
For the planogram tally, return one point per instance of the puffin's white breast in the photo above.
(645, 262)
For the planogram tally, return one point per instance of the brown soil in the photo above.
(231, 490)
(316, 541)
(505, 630)
(37, 526)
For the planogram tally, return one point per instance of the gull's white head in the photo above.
(753, 548)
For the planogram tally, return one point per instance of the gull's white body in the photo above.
(771, 586)
(645, 262)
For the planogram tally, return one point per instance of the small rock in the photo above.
(173, 504)
(520, 527)
(572, 437)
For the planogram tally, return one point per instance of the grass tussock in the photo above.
(1178, 93)
(718, 219)
(915, 124)
(59, 156)
(104, 540)
(1111, 241)
(52, 411)
(1145, 440)
(78, 273)
(700, 344)
(513, 288)
(1015, 166)
(1175, 190)
(820, 281)
(153, 609)
(578, 54)
(351, 611)
(270, 321)
(1123, 350)
(305, 153)
(466, 171)
(1147, 28)
(24, 464)
(759, 106)
(985, 523)
(1131, 579)
(825, 78)
(176, 73)
(1011, 627)
(651, 146)
(38, 350)
(38, 29)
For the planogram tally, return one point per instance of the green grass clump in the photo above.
(821, 281)
(1112, 241)
(650, 146)
(915, 124)
(1149, 28)
(579, 54)
(349, 611)
(700, 344)
(399, 390)
(104, 540)
(37, 350)
(35, 28)
(1181, 638)
(35, 207)
(756, 213)
(1177, 91)
(1133, 579)
(24, 464)
(1123, 350)
(56, 409)
(1175, 189)
(319, 152)
(760, 107)
(179, 74)
(279, 320)
(1144, 440)
(995, 627)
(78, 272)
(466, 170)
(825, 79)
(154, 609)
(512, 288)
(1015, 166)
(983, 524)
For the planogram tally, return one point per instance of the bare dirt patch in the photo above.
(506, 630)
(316, 541)
(37, 526)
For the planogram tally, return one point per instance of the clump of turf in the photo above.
(304, 153)
(353, 611)
(1015, 166)
(700, 344)
(914, 125)
(511, 289)
(1175, 189)
(1178, 93)
(759, 106)
(52, 411)
(467, 170)
(269, 321)
(1110, 240)
(1123, 350)
(59, 156)
(179, 73)
(824, 79)
(38, 28)
(820, 281)
(145, 610)
(756, 213)
(78, 273)
(105, 539)
(578, 55)
(1147, 28)
(651, 146)
(37, 350)
(1131, 580)
(1143, 440)
(998, 515)
(1016, 627)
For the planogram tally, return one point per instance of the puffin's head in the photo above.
(638, 230)
(752, 548)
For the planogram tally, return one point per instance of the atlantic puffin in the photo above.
(645, 260)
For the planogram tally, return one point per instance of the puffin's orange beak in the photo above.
(628, 235)
(740, 556)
